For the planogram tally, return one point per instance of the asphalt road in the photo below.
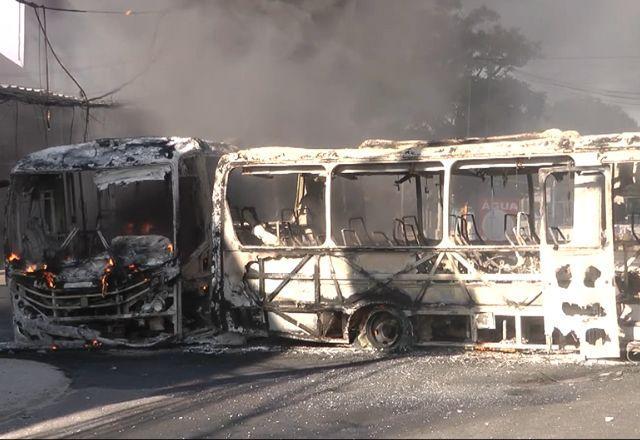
(274, 390)
(6, 330)
(297, 391)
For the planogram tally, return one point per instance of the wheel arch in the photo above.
(361, 309)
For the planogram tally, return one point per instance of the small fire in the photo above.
(104, 284)
(49, 278)
(103, 279)
(94, 343)
(13, 257)
(170, 248)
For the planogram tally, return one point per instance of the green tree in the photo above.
(460, 79)
(488, 99)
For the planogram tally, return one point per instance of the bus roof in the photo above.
(550, 142)
(116, 153)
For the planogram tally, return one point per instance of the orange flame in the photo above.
(31, 268)
(13, 257)
(50, 279)
(103, 279)
(170, 248)
(103, 282)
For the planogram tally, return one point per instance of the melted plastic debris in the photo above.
(208, 342)
(142, 250)
(210, 338)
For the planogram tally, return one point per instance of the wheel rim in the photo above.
(385, 329)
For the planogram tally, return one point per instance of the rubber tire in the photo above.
(375, 319)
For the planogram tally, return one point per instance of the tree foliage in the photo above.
(463, 83)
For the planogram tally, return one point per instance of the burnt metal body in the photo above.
(538, 280)
(108, 241)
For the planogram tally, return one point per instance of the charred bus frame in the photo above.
(316, 247)
(108, 241)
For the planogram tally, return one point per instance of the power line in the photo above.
(617, 94)
(83, 95)
(127, 12)
(569, 58)
(152, 60)
(618, 99)
(590, 57)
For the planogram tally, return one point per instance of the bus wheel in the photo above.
(385, 329)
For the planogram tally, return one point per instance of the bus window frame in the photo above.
(265, 170)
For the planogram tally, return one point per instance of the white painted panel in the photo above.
(279, 324)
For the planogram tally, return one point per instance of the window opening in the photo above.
(278, 208)
(387, 205)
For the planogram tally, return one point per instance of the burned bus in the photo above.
(518, 242)
(108, 242)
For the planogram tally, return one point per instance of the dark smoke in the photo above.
(321, 72)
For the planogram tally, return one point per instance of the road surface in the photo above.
(270, 389)
(297, 391)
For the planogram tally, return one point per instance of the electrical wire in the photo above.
(83, 94)
(619, 97)
(152, 60)
(46, 112)
(127, 12)
(619, 94)
(590, 57)
(55, 55)
(632, 100)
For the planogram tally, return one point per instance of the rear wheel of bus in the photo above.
(385, 329)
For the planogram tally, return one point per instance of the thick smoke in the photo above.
(321, 72)
(312, 72)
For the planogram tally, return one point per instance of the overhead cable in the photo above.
(127, 12)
